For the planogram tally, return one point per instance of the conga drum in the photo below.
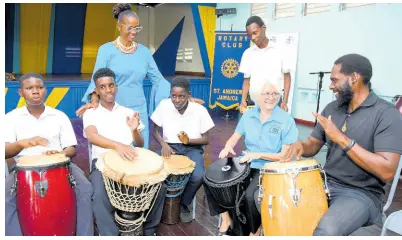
(46, 203)
(179, 168)
(227, 179)
(293, 197)
(132, 187)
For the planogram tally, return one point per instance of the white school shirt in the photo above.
(53, 124)
(110, 124)
(194, 121)
(263, 65)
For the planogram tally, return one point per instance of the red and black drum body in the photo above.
(46, 200)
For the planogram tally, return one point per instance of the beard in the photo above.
(345, 94)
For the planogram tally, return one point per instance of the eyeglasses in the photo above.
(271, 95)
(136, 29)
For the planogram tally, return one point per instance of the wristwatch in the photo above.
(351, 143)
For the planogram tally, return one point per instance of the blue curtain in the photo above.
(10, 12)
(68, 37)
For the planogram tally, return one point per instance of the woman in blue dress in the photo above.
(132, 63)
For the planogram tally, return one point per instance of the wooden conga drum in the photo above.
(293, 198)
(46, 203)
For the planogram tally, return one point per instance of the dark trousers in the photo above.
(83, 192)
(104, 211)
(195, 153)
(252, 214)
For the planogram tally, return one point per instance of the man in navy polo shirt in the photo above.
(364, 138)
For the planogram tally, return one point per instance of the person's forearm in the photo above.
(157, 136)
(286, 86)
(100, 141)
(12, 149)
(272, 156)
(137, 138)
(245, 89)
(311, 147)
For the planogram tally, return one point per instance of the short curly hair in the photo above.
(181, 82)
(103, 72)
(30, 75)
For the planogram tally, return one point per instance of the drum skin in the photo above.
(53, 214)
(288, 219)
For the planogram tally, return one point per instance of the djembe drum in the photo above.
(227, 179)
(293, 197)
(179, 169)
(45, 197)
(132, 187)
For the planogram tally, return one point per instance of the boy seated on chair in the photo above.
(112, 126)
(185, 126)
(36, 129)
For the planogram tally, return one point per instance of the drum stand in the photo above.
(227, 116)
(320, 76)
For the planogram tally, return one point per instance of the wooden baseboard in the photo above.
(198, 74)
(304, 122)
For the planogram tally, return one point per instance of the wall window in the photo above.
(344, 6)
(314, 8)
(284, 10)
(259, 9)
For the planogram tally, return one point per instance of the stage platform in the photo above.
(64, 92)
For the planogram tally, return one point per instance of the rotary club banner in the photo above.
(227, 81)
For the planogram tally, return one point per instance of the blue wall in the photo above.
(374, 31)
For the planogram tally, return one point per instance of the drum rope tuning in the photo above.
(238, 200)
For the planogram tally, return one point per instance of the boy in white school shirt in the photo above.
(36, 129)
(185, 127)
(112, 126)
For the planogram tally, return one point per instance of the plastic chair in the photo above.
(393, 223)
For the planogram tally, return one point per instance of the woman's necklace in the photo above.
(123, 48)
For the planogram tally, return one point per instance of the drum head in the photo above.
(307, 163)
(42, 160)
(146, 162)
(226, 170)
(179, 164)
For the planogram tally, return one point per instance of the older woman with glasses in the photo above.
(132, 63)
(268, 132)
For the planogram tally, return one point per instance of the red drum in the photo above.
(46, 203)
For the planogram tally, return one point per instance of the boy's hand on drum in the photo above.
(248, 157)
(296, 149)
(127, 152)
(50, 152)
(167, 150)
(134, 121)
(225, 152)
(183, 137)
(32, 142)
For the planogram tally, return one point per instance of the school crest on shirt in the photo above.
(230, 68)
(275, 129)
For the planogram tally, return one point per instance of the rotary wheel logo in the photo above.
(230, 68)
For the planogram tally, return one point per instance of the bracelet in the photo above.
(351, 143)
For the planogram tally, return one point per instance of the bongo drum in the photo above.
(227, 180)
(46, 203)
(132, 186)
(293, 197)
(179, 169)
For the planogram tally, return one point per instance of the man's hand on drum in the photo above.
(295, 150)
(134, 121)
(32, 142)
(167, 151)
(183, 137)
(94, 103)
(248, 157)
(127, 152)
(225, 152)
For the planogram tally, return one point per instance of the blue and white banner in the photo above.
(227, 81)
